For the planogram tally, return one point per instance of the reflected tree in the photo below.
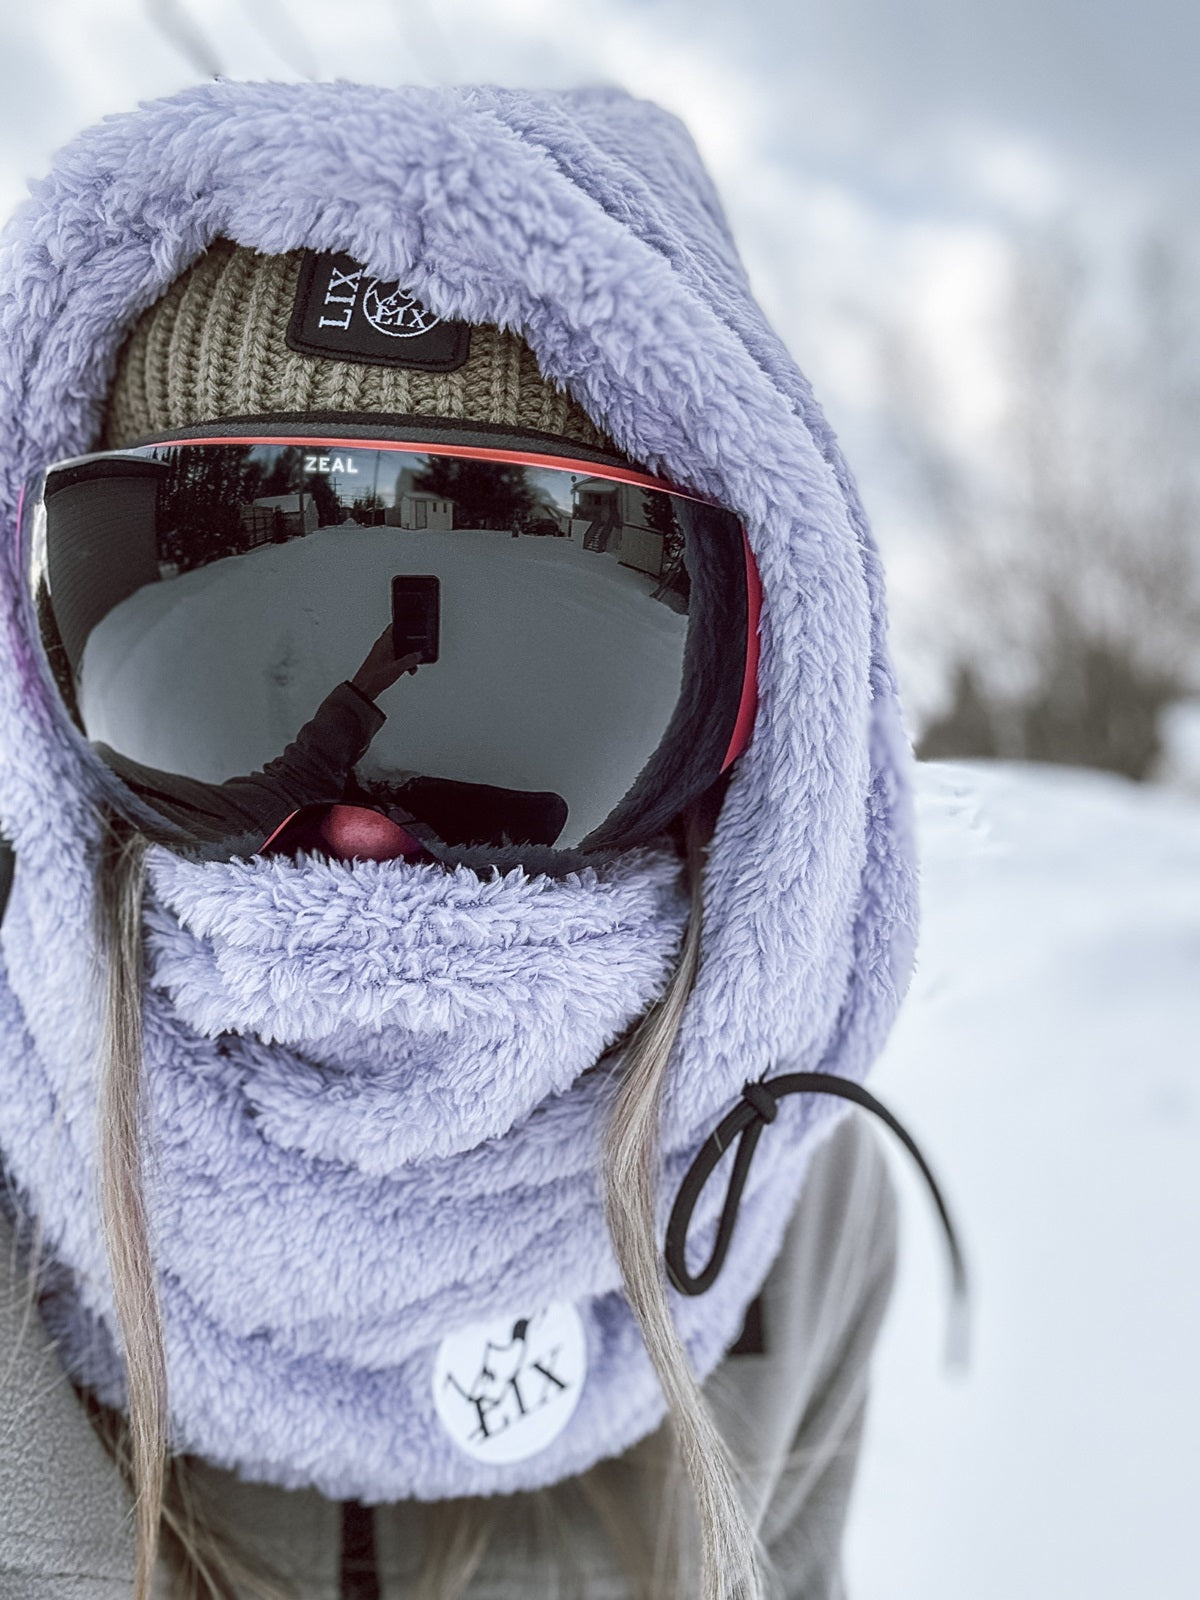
(485, 494)
(205, 494)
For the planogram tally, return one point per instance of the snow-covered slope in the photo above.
(1048, 1061)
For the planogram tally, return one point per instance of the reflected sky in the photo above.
(386, 475)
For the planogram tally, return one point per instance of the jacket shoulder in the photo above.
(64, 1510)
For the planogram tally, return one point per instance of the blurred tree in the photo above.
(1075, 553)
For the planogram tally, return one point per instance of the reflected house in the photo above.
(615, 518)
(415, 508)
(419, 510)
(275, 518)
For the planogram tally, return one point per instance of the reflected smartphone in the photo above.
(416, 616)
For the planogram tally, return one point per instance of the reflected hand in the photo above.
(381, 668)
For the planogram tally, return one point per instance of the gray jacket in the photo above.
(791, 1409)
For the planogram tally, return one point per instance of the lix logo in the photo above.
(340, 295)
(512, 1382)
(342, 312)
(388, 308)
(506, 1388)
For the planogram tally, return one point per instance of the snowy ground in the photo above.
(1047, 1061)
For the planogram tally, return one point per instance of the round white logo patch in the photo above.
(390, 310)
(507, 1388)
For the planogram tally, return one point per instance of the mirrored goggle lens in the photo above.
(504, 649)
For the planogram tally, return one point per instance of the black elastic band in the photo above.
(8, 861)
(754, 1111)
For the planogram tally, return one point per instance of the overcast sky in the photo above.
(875, 158)
(920, 104)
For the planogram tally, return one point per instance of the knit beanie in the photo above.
(216, 345)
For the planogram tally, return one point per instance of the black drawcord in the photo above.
(758, 1107)
(359, 1574)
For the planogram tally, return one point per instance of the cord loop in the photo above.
(757, 1108)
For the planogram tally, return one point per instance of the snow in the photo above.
(1046, 1061)
(1179, 730)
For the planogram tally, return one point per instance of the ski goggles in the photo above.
(503, 641)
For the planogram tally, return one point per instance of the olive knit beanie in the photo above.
(216, 346)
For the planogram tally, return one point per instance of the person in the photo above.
(308, 798)
(313, 771)
(371, 1212)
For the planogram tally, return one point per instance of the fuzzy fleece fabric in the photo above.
(372, 1114)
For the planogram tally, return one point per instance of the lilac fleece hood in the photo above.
(376, 1090)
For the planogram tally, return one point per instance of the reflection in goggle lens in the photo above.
(499, 649)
